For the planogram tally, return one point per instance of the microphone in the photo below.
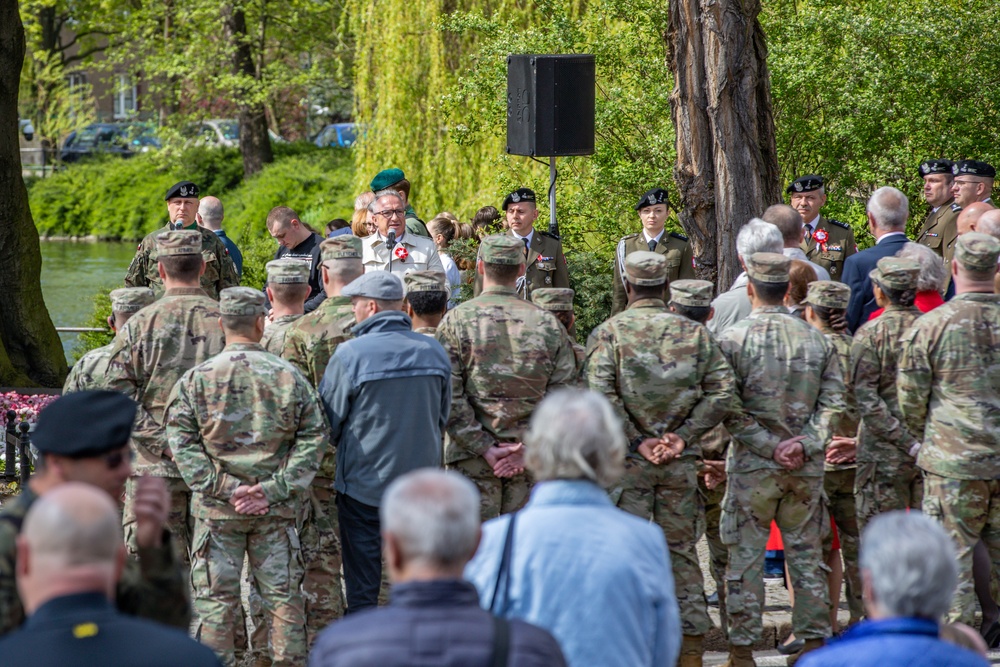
(177, 224)
(390, 241)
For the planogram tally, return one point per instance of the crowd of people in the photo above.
(290, 441)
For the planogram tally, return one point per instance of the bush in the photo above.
(90, 340)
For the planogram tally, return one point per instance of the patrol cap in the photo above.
(976, 251)
(425, 281)
(644, 268)
(805, 184)
(828, 294)
(83, 424)
(380, 285)
(898, 273)
(131, 299)
(340, 247)
(941, 166)
(386, 179)
(519, 195)
(179, 242)
(553, 298)
(768, 267)
(502, 249)
(285, 271)
(692, 293)
(241, 301)
(184, 189)
(974, 168)
(652, 198)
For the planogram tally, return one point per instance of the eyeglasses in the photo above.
(391, 213)
(115, 459)
(961, 183)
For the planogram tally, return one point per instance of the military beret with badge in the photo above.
(184, 189)
(652, 198)
(941, 166)
(807, 183)
(85, 424)
(974, 168)
(518, 196)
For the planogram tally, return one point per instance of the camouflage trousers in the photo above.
(884, 488)
(320, 537)
(668, 494)
(969, 509)
(179, 521)
(497, 495)
(718, 553)
(754, 499)
(839, 488)
(271, 546)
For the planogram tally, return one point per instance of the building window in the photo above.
(125, 93)
(76, 80)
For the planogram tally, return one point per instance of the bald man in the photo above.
(989, 223)
(70, 555)
(968, 219)
(210, 214)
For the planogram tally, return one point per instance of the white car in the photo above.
(219, 132)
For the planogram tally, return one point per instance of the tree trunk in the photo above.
(727, 164)
(255, 145)
(30, 351)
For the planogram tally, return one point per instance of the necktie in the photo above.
(652, 245)
(809, 233)
(525, 246)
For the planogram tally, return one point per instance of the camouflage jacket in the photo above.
(662, 372)
(311, 339)
(506, 355)
(846, 423)
(949, 387)
(220, 271)
(242, 417)
(883, 437)
(90, 371)
(274, 334)
(790, 383)
(151, 352)
(152, 585)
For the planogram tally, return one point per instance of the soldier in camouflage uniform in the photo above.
(158, 345)
(559, 302)
(247, 500)
(670, 384)
(427, 295)
(287, 290)
(791, 386)
(887, 476)
(495, 383)
(91, 370)
(950, 399)
(182, 206)
(826, 241)
(152, 584)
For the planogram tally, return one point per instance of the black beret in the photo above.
(652, 198)
(519, 195)
(182, 189)
(941, 166)
(805, 184)
(83, 424)
(974, 168)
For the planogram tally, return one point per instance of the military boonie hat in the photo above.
(976, 251)
(425, 281)
(805, 184)
(108, 416)
(553, 298)
(828, 294)
(179, 242)
(692, 293)
(185, 189)
(340, 247)
(386, 179)
(768, 267)
(941, 166)
(502, 249)
(287, 271)
(645, 269)
(974, 168)
(652, 198)
(898, 273)
(517, 196)
(131, 299)
(380, 285)
(241, 301)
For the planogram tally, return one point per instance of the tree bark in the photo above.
(727, 164)
(30, 351)
(255, 144)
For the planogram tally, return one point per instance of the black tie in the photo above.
(525, 246)
(652, 245)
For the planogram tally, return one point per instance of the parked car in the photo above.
(337, 134)
(26, 128)
(218, 132)
(121, 139)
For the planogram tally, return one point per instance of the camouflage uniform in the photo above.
(560, 299)
(274, 335)
(90, 371)
(311, 339)
(220, 272)
(713, 448)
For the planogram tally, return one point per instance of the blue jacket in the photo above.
(387, 393)
(234, 252)
(893, 642)
(856, 270)
(429, 624)
(597, 578)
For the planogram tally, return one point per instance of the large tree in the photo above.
(30, 351)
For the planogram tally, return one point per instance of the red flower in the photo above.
(821, 236)
(401, 253)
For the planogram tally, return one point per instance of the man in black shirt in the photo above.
(298, 241)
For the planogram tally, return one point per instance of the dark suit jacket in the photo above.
(856, 270)
(84, 630)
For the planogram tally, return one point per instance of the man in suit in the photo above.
(70, 555)
(826, 241)
(888, 210)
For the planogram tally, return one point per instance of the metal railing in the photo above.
(17, 451)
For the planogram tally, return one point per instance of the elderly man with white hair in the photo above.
(598, 578)
(391, 248)
(732, 306)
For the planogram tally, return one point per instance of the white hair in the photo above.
(384, 193)
(911, 563)
(575, 434)
(758, 236)
(889, 207)
(932, 269)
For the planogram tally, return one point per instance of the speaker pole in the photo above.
(553, 225)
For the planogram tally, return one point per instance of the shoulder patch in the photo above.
(629, 236)
(955, 207)
(844, 225)
(679, 236)
(551, 235)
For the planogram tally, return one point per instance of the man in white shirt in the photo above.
(390, 248)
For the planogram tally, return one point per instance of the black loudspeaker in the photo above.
(550, 105)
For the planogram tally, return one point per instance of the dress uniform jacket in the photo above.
(545, 262)
(673, 246)
(939, 232)
(838, 247)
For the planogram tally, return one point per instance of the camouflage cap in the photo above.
(768, 267)
(131, 299)
(897, 273)
(241, 301)
(179, 242)
(502, 249)
(553, 298)
(425, 281)
(693, 293)
(976, 251)
(285, 271)
(828, 294)
(645, 268)
(340, 247)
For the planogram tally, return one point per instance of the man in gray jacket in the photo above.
(387, 393)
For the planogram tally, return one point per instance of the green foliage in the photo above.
(54, 107)
(591, 276)
(89, 340)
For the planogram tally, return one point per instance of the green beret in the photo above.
(553, 298)
(768, 267)
(692, 293)
(346, 246)
(426, 281)
(287, 270)
(386, 179)
(644, 268)
(976, 251)
(179, 242)
(502, 249)
(828, 294)
(131, 299)
(241, 301)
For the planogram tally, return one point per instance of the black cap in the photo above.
(182, 189)
(519, 195)
(82, 424)
(941, 166)
(805, 184)
(974, 168)
(652, 198)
